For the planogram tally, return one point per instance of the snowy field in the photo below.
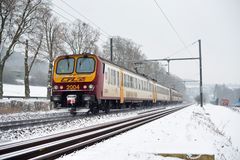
(213, 130)
(18, 90)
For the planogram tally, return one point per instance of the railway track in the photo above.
(48, 120)
(34, 122)
(53, 146)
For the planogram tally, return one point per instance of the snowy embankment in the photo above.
(213, 130)
(18, 105)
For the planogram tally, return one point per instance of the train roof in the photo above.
(142, 75)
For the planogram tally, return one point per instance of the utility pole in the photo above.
(200, 66)
(168, 61)
(181, 59)
(111, 50)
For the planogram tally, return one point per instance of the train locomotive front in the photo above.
(77, 81)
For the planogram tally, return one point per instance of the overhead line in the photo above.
(65, 11)
(61, 15)
(171, 25)
(180, 50)
(71, 21)
(86, 18)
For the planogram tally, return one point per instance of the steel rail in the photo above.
(39, 121)
(34, 122)
(55, 145)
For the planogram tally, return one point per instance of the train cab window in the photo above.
(85, 65)
(65, 66)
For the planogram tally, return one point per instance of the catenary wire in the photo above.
(172, 26)
(106, 34)
(72, 21)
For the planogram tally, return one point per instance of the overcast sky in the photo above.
(215, 22)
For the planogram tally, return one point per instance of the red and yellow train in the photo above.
(87, 80)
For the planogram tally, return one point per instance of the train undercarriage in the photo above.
(75, 101)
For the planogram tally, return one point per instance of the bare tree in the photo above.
(81, 37)
(35, 49)
(33, 46)
(124, 51)
(17, 18)
(52, 42)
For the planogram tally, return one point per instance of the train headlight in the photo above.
(91, 86)
(55, 87)
(61, 87)
(56, 98)
(85, 87)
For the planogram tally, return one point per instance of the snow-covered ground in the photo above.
(18, 90)
(193, 130)
(213, 130)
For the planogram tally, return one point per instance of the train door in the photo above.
(121, 88)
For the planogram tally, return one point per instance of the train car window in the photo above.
(105, 74)
(85, 65)
(113, 77)
(134, 83)
(117, 78)
(131, 81)
(65, 66)
(109, 76)
(139, 84)
(103, 67)
(111, 82)
(144, 86)
(126, 83)
(127, 80)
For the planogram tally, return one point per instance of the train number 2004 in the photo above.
(72, 87)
